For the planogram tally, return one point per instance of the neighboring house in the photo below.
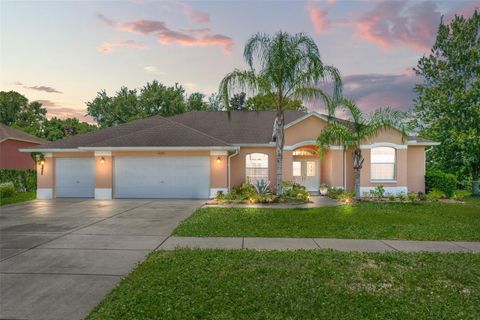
(197, 154)
(11, 140)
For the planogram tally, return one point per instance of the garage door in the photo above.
(162, 177)
(75, 177)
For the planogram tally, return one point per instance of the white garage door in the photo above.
(162, 177)
(75, 177)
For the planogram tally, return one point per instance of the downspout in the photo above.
(237, 151)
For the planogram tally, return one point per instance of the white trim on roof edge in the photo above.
(308, 115)
(426, 143)
(254, 145)
(153, 148)
(50, 150)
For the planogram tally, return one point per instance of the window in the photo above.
(256, 167)
(383, 163)
(297, 168)
(304, 152)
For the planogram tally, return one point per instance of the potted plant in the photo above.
(324, 189)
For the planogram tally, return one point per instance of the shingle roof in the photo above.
(238, 127)
(7, 132)
(153, 131)
(192, 129)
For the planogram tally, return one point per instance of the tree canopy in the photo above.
(286, 66)
(31, 117)
(447, 109)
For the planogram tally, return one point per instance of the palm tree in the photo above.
(352, 134)
(287, 66)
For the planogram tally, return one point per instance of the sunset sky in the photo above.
(62, 53)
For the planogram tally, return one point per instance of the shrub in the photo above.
(7, 189)
(262, 187)
(439, 180)
(379, 192)
(347, 196)
(459, 195)
(422, 196)
(435, 195)
(391, 197)
(294, 191)
(23, 180)
(411, 196)
(220, 195)
(401, 197)
(334, 193)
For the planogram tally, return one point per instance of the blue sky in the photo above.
(63, 52)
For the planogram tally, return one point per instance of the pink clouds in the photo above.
(195, 15)
(318, 17)
(56, 110)
(166, 36)
(415, 24)
(108, 47)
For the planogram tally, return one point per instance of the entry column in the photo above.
(103, 175)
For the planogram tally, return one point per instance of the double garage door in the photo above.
(137, 177)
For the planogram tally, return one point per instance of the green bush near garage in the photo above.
(23, 180)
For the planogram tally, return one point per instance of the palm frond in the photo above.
(335, 134)
(237, 80)
(384, 118)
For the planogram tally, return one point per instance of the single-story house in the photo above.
(197, 154)
(11, 140)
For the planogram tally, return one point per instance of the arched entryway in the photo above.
(306, 167)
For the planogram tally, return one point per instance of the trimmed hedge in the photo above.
(441, 181)
(7, 189)
(23, 180)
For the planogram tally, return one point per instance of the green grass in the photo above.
(413, 221)
(18, 197)
(321, 284)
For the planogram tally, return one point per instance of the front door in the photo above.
(307, 173)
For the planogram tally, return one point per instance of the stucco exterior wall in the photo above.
(237, 163)
(46, 179)
(386, 135)
(306, 130)
(416, 169)
(218, 172)
(11, 158)
(104, 172)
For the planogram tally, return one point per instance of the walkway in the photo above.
(358, 245)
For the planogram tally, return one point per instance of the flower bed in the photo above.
(260, 192)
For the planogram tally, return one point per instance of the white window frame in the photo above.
(394, 163)
(253, 178)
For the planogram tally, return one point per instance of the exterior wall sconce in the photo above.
(102, 160)
(219, 159)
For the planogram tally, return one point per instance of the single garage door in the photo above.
(75, 177)
(162, 177)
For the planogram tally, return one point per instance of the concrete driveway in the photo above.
(60, 257)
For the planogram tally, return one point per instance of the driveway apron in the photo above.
(59, 258)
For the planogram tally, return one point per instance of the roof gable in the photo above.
(9, 133)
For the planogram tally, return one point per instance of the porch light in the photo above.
(102, 160)
(42, 162)
(218, 159)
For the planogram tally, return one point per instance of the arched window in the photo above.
(256, 167)
(305, 152)
(382, 161)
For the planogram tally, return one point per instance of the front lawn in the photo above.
(18, 197)
(413, 221)
(320, 284)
